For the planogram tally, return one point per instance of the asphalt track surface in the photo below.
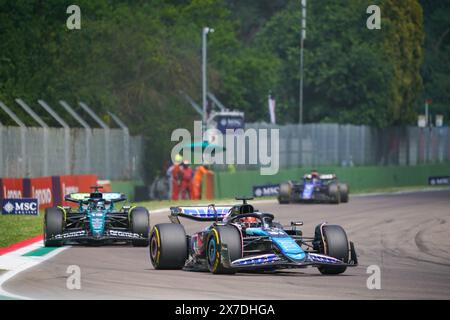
(406, 235)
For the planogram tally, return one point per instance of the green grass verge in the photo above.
(16, 228)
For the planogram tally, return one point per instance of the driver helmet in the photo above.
(246, 222)
(249, 222)
(100, 205)
(314, 174)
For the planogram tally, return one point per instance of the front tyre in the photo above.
(168, 246)
(140, 224)
(53, 225)
(333, 243)
(217, 237)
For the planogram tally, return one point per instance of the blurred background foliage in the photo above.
(133, 58)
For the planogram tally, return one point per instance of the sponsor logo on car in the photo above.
(205, 212)
(25, 206)
(314, 257)
(68, 235)
(276, 232)
(262, 259)
(97, 223)
(123, 234)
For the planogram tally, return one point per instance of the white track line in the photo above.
(19, 263)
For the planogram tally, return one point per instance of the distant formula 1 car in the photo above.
(314, 188)
(243, 239)
(96, 220)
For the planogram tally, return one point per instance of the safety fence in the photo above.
(351, 145)
(32, 152)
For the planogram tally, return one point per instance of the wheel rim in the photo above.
(153, 248)
(212, 251)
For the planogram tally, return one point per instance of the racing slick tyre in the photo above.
(334, 194)
(284, 195)
(333, 243)
(140, 224)
(53, 225)
(219, 235)
(168, 246)
(344, 190)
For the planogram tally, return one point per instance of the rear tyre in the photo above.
(344, 191)
(168, 246)
(217, 237)
(284, 194)
(334, 194)
(334, 244)
(53, 225)
(140, 224)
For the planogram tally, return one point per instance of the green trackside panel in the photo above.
(39, 252)
(126, 187)
(229, 185)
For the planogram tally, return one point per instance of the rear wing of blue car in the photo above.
(200, 213)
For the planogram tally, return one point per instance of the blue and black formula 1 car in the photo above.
(96, 221)
(243, 239)
(324, 188)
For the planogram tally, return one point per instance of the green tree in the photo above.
(351, 73)
(403, 28)
(436, 66)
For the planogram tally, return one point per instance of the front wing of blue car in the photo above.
(277, 261)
